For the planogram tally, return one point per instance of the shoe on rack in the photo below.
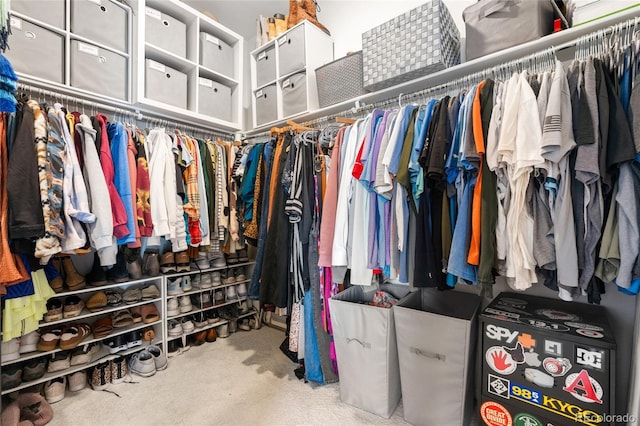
(231, 293)
(151, 263)
(119, 370)
(243, 324)
(239, 275)
(132, 295)
(57, 284)
(97, 302)
(199, 338)
(114, 297)
(143, 364)
(134, 338)
(11, 376)
(212, 335)
(242, 255)
(54, 310)
(205, 280)
(185, 304)
(59, 361)
(73, 279)
(116, 344)
(102, 327)
(174, 286)
(11, 349)
(202, 261)
(148, 334)
(168, 263)
(173, 307)
(182, 261)
(118, 273)
(73, 335)
(241, 289)
(200, 320)
(28, 343)
(49, 339)
(77, 381)
(212, 316)
(54, 389)
(233, 325)
(195, 281)
(223, 330)
(218, 297)
(72, 306)
(173, 349)
(134, 268)
(215, 279)
(186, 283)
(83, 354)
(227, 277)
(218, 262)
(34, 369)
(100, 376)
(150, 313)
(97, 276)
(158, 356)
(243, 306)
(232, 258)
(150, 292)
(187, 325)
(202, 300)
(174, 328)
(136, 314)
(121, 318)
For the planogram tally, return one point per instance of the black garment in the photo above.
(26, 220)
(96, 126)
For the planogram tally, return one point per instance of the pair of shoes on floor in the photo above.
(204, 336)
(149, 360)
(177, 347)
(110, 372)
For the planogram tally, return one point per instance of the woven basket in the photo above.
(340, 80)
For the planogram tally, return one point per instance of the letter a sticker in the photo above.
(583, 387)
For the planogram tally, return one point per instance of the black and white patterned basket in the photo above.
(340, 80)
(419, 42)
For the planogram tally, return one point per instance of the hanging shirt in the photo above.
(119, 139)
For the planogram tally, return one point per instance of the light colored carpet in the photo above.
(244, 379)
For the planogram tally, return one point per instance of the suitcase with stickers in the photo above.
(546, 362)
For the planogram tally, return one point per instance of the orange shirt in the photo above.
(476, 115)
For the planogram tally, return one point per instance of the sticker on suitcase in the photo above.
(525, 419)
(590, 358)
(584, 387)
(544, 325)
(495, 414)
(504, 360)
(557, 367)
(557, 315)
(590, 333)
(499, 386)
(583, 325)
(500, 334)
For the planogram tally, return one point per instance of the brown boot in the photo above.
(168, 263)
(57, 284)
(182, 261)
(212, 335)
(73, 279)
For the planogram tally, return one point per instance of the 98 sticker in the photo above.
(524, 393)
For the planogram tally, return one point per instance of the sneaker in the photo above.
(173, 308)
(202, 262)
(184, 345)
(231, 292)
(212, 316)
(11, 376)
(243, 324)
(243, 306)
(173, 348)
(118, 370)
(218, 262)
(116, 344)
(232, 258)
(159, 357)
(215, 279)
(241, 289)
(168, 263)
(195, 281)
(227, 277)
(243, 255)
(187, 325)
(174, 286)
(83, 354)
(54, 310)
(54, 389)
(134, 338)
(239, 275)
(182, 261)
(28, 343)
(143, 364)
(34, 369)
(174, 328)
(233, 326)
(100, 376)
(201, 320)
(186, 283)
(185, 304)
(205, 281)
(77, 381)
(11, 349)
(59, 361)
(202, 300)
(218, 297)
(223, 330)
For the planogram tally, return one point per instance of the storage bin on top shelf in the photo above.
(421, 41)
(340, 80)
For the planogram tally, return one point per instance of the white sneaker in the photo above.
(205, 281)
(185, 304)
(242, 289)
(173, 308)
(186, 283)
(143, 364)
(231, 292)
(174, 287)
(158, 356)
(187, 325)
(54, 389)
(174, 328)
(195, 281)
(215, 279)
(77, 381)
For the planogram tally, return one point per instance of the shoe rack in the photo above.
(86, 316)
(211, 290)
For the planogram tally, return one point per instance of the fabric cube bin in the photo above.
(365, 341)
(102, 21)
(165, 84)
(216, 55)
(340, 80)
(435, 333)
(166, 32)
(48, 11)
(421, 41)
(493, 25)
(294, 94)
(266, 104)
(31, 44)
(291, 51)
(266, 66)
(98, 70)
(214, 99)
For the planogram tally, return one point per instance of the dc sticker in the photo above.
(500, 361)
(523, 419)
(590, 333)
(495, 414)
(499, 386)
(583, 387)
(589, 358)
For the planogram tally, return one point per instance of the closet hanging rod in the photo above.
(128, 111)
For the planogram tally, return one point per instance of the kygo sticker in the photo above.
(557, 315)
(539, 378)
(500, 334)
(590, 333)
(544, 325)
(524, 419)
(499, 386)
(589, 358)
(495, 414)
(583, 325)
(583, 387)
(552, 348)
(500, 361)
(556, 366)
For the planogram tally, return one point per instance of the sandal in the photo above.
(97, 302)
(150, 313)
(132, 295)
(136, 314)
(102, 327)
(74, 335)
(49, 339)
(122, 319)
(114, 298)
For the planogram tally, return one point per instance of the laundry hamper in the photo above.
(435, 334)
(365, 342)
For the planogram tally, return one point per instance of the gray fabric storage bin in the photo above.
(98, 70)
(30, 45)
(365, 341)
(340, 80)
(266, 66)
(216, 55)
(165, 84)
(101, 21)
(166, 32)
(291, 51)
(214, 99)
(48, 11)
(294, 94)
(436, 335)
(266, 105)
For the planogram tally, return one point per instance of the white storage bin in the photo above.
(166, 32)
(294, 94)
(266, 105)
(216, 55)
(365, 341)
(266, 66)
(291, 53)
(165, 84)
(48, 11)
(101, 21)
(98, 70)
(214, 99)
(30, 44)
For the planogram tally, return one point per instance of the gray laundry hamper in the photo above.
(436, 340)
(365, 342)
